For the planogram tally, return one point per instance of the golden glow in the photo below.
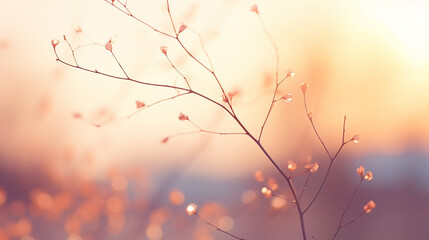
(176, 196)
(3, 196)
(154, 232)
(191, 209)
(119, 183)
(226, 223)
(407, 20)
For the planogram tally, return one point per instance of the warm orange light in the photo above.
(176, 196)
(191, 209)
(119, 183)
(3, 196)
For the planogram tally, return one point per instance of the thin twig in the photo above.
(274, 45)
(340, 225)
(332, 158)
(123, 70)
(156, 103)
(217, 228)
(203, 47)
(282, 197)
(177, 70)
(71, 49)
(171, 18)
(305, 185)
(128, 12)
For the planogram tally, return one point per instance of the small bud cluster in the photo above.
(267, 192)
(312, 167)
(361, 171)
(369, 206)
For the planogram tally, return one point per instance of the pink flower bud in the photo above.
(369, 206)
(140, 104)
(355, 138)
(183, 117)
(225, 99)
(291, 166)
(108, 46)
(310, 115)
(182, 28)
(304, 87)
(287, 97)
(55, 42)
(290, 73)
(254, 8)
(368, 176)
(312, 167)
(232, 94)
(163, 49)
(360, 170)
(165, 140)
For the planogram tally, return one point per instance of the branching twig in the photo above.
(217, 228)
(340, 224)
(332, 159)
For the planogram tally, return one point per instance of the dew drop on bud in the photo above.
(191, 209)
(163, 49)
(291, 166)
(55, 42)
(312, 167)
(355, 138)
(108, 46)
(254, 8)
(267, 192)
(369, 206)
(287, 97)
(290, 73)
(113, 39)
(368, 176)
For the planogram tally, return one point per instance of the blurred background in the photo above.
(62, 177)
